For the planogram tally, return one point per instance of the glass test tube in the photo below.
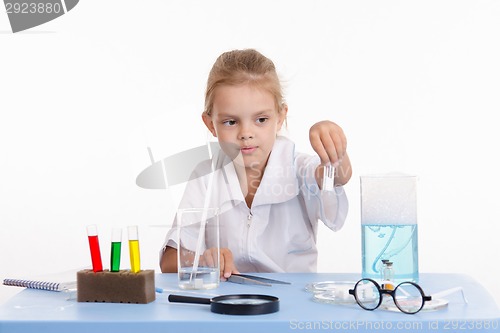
(133, 244)
(328, 178)
(116, 249)
(95, 251)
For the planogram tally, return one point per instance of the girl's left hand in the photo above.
(328, 141)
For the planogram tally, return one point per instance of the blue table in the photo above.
(45, 311)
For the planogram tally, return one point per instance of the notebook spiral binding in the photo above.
(42, 285)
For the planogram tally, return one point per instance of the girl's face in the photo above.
(245, 121)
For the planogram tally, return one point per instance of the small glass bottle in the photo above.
(388, 275)
(382, 267)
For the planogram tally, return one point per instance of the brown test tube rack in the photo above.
(116, 287)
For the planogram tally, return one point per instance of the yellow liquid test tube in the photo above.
(133, 244)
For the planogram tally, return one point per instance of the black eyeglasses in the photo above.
(408, 296)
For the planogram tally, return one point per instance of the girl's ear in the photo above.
(209, 123)
(282, 115)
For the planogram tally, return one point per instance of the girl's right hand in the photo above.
(227, 266)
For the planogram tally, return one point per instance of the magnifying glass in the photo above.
(239, 304)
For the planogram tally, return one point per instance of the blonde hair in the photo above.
(243, 67)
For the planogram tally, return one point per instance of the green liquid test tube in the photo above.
(116, 249)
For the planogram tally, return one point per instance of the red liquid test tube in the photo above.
(95, 251)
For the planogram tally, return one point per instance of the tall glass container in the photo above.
(198, 252)
(389, 229)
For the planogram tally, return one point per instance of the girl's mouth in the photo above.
(248, 150)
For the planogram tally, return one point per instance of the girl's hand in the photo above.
(328, 141)
(227, 266)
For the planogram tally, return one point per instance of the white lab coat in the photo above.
(278, 233)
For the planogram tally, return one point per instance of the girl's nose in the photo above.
(245, 132)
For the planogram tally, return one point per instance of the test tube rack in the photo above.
(115, 287)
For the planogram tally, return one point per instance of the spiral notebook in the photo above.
(58, 282)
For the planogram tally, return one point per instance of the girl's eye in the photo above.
(229, 122)
(261, 120)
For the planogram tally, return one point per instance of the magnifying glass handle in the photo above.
(188, 299)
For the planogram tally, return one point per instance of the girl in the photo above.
(269, 196)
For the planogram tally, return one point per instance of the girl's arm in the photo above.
(343, 171)
(168, 262)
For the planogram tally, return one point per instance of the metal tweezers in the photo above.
(252, 279)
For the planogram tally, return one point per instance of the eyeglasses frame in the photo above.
(392, 293)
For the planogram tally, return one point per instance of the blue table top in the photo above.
(46, 311)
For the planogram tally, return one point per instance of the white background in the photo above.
(414, 84)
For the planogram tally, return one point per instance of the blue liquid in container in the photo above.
(397, 243)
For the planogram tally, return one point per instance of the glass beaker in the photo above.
(389, 225)
(198, 253)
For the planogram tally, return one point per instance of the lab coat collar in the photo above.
(279, 182)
